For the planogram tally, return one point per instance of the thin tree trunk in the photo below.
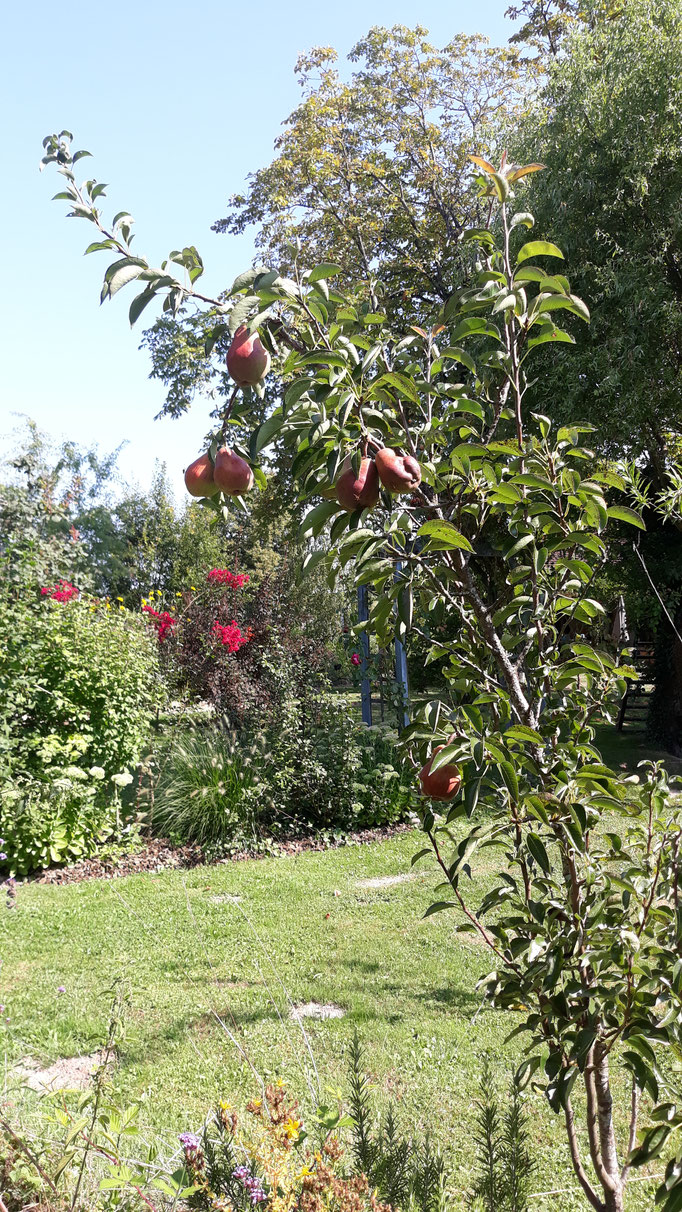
(612, 1181)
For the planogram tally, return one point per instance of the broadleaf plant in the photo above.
(498, 546)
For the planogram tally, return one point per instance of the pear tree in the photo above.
(427, 477)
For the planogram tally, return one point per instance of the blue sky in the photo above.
(177, 104)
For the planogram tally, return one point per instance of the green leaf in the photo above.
(447, 755)
(444, 536)
(120, 273)
(247, 278)
(460, 355)
(565, 303)
(266, 432)
(314, 521)
(538, 248)
(550, 333)
(519, 546)
(99, 246)
(621, 513)
(402, 384)
(520, 732)
(323, 358)
(326, 269)
(439, 906)
(537, 849)
(139, 303)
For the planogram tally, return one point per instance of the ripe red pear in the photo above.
(443, 784)
(231, 473)
(248, 361)
(359, 491)
(199, 480)
(398, 473)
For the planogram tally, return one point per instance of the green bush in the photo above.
(78, 685)
(332, 772)
(319, 770)
(42, 826)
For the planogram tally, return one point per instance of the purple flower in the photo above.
(61, 988)
(3, 856)
(189, 1140)
(252, 1184)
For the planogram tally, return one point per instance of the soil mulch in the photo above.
(158, 854)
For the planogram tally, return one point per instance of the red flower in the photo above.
(230, 635)
(223, 576)
(62, 591)
(355, 659)
(164, 621)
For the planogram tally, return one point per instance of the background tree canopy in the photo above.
(373, 174)
(607, 125)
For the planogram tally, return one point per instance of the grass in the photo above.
(213, 958)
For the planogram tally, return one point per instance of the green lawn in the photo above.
(303, 929)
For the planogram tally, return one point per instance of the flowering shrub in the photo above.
(244, 653)
(163, 620)
(270, 1161)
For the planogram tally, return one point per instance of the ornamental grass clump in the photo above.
(211, 789)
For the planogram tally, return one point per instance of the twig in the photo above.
(664, 608)
(21, 1144)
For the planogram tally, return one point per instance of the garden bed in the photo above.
(158, 854)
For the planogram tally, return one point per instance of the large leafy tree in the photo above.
(371, 173)
(607, 125)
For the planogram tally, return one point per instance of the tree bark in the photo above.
(611, 1179)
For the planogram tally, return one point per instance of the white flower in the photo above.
(123, 779)
(96, 772)
(75, 772)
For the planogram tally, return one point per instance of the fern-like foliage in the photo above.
(517, 1162)
(406, 1172)
(502, 1140)
(488, 1141)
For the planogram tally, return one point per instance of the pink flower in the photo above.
(355, 659)
(164, 622)
(223, 576)
(230, 635)
(62, 591)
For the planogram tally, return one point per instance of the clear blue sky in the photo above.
(177, 104)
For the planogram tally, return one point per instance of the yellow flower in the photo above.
(119, 599)
(304, 1172)
(292, 1128)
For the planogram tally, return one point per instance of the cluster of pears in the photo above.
(397, 473)
(247, 362)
